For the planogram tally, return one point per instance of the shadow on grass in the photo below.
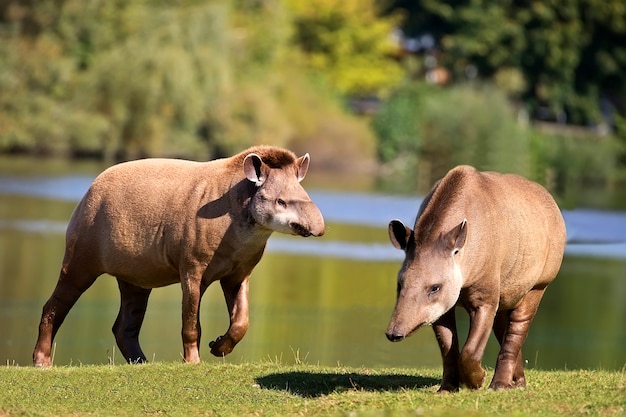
(310, 384)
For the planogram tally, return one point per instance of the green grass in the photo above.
(269, 388)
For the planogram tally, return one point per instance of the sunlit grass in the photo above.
(273, 388)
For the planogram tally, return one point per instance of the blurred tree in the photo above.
(428, 130)
(110, 77)
(123, 79)
(602, 69)
(562, 56)
(348, 43)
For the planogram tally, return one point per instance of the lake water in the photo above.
(318, 300)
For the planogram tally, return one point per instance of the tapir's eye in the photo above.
(434, 289)
(455, 251)
(281, 203)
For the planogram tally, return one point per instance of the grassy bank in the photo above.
(276, 389)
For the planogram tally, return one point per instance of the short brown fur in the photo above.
(157, 222)
(444, 193)
(490, 243)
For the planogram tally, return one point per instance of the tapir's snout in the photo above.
(398, 329)
(312, 222)
(318, 229)
(394, 337)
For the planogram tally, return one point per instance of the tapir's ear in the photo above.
(255, 169)
(303, 166)
(455, 238)
(399, 234)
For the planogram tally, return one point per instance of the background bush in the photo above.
(423, 131)
(198, 79)
(429, 130)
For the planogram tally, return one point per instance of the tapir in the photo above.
(156, 222)
(490, 243)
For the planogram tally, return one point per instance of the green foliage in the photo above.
(273, 388)
(141, 78)
(397, 125)
(564, 56)
(432, 130)
(620, 136)
(347, 43)
(475, 126)
(566, 161)
(423, 131)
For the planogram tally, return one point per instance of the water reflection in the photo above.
(324, 301)
(590, 232)
(69, 188)
(368, 252)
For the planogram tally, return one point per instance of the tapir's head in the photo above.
(430, 280)
(280, 203)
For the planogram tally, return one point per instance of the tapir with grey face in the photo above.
(488, 242)
(156, 222)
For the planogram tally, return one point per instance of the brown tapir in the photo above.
(490, 243)
(157, 222)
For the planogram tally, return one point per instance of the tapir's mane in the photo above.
(440, 202)
(272, 156)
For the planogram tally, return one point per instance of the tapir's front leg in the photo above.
(447, 337)
(470, 368)
(236, 296)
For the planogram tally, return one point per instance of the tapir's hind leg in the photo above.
(509, 372)
(500, 327)
(71, 285)
(133, 304)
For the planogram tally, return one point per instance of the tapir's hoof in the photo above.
(42, 365)
(42, 361)
(447, 389)
(496, 386)
(214, 342)
(449, 385)
(500, 385)
(520, 383)
(473, 378)
(221, 346)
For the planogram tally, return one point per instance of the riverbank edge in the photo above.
(271, 388)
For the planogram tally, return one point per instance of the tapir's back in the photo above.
(528, 224)
(135, 215)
